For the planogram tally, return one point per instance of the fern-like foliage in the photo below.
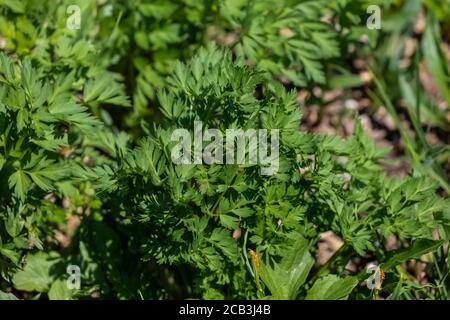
(188, 213)
(39, 125)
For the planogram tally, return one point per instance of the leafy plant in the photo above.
(191, 211)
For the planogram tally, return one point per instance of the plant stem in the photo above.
(324, 268)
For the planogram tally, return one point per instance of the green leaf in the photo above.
(43, 171)
(229, 221)
(223, 240)
(14, 224)
(105, 89)
(149, 158)
(416, 250)
(331, 287)
(18, 6)
(243, 212)
(59, 291)
(37, 274)
(284, 279)
(7, 296)
(12, 255)
(20, 182)
(7, 69)
(434, 59)
(73, 113)
(158, 9)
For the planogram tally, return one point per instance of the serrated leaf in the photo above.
(20, 182)
(223, 240)
(73, 113)
(13, 224)
(229, 221)
(105, 89)
(243, 212)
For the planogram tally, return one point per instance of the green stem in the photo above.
(324, 268)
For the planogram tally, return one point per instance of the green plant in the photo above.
(37, 120)
(191, 212)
